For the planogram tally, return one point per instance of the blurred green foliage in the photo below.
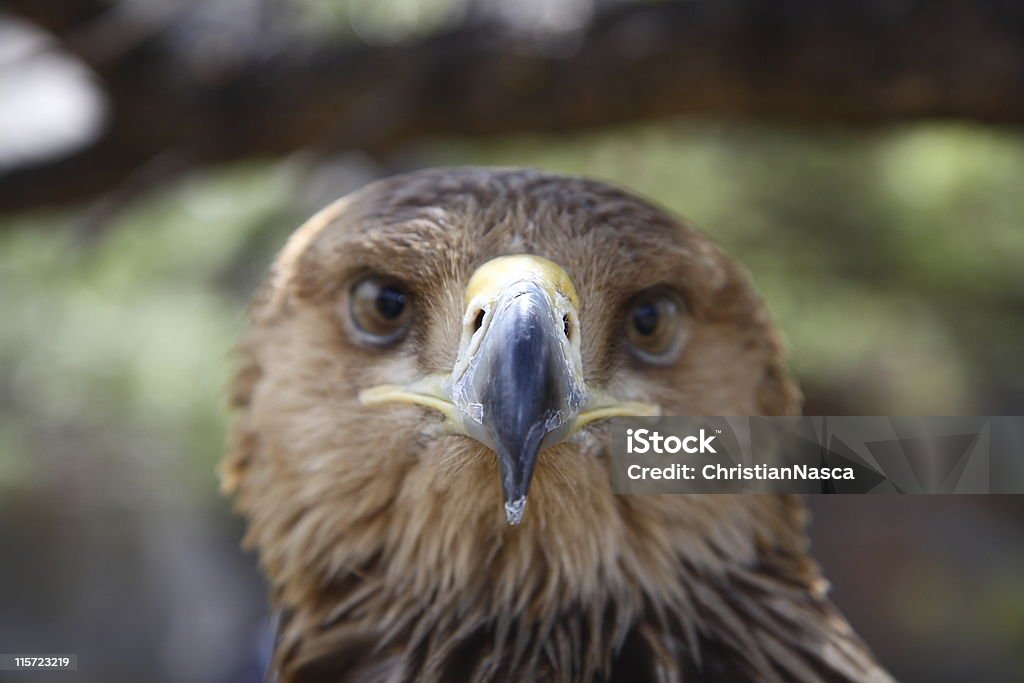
(121, 339)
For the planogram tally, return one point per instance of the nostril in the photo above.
(478, 323)
(565, 327)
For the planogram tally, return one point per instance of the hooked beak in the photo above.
(521, 386)
(517, 385)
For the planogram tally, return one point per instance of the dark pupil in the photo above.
(645, 319)
(390, 303)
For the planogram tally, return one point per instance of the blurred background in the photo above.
(863, 158)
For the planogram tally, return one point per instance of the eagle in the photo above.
(420, 446)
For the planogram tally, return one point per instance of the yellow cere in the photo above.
(498, 273)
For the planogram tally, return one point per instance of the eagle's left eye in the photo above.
(379, 309)
(655, 326)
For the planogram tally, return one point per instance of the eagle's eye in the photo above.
(655, 327)
(379, 310)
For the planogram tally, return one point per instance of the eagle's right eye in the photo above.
(379, 309)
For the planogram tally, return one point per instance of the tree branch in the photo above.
(851, 61)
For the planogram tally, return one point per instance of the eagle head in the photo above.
(421, 452)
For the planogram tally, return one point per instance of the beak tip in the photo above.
(514, 510)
